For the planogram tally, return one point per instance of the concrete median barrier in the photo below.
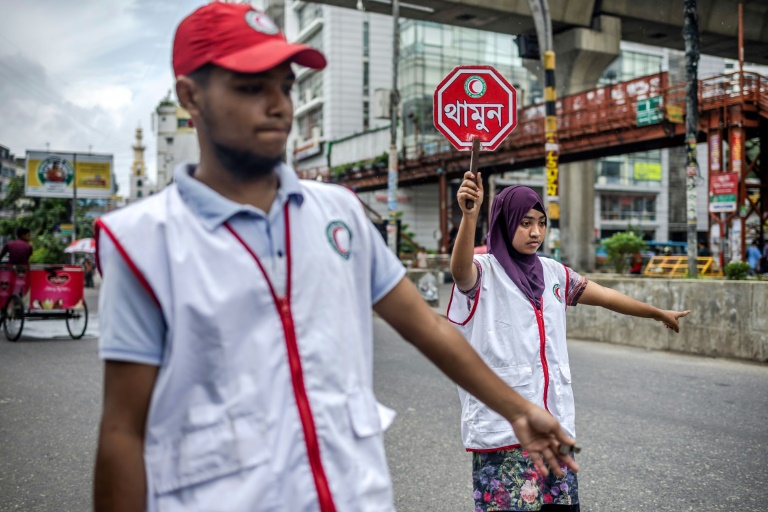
(727, 319)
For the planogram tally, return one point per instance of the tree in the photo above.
(42, 216)
(621, 247)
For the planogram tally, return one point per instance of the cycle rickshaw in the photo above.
(42, 292)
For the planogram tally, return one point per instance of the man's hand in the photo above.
(470, 190)
(541, 436)
(669, 318)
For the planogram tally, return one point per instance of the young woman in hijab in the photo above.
(510, 305)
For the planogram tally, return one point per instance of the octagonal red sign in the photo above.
(475, 101)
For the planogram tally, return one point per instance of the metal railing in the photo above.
(606, 112)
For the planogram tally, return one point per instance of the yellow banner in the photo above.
(53, 175)
(647, 171)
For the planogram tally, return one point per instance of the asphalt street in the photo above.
(660, 431)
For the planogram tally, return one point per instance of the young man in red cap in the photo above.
(237, 376)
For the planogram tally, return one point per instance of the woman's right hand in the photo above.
(470, 190)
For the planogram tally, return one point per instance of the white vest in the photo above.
(524, 346)
(245, 376)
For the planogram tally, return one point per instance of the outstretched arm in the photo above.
(463, 270)
(596, 295)
(538, 432)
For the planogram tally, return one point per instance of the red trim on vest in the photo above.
(471, 313)
(99, 225)
(567, 285)
(490, 450)
(542, 347)
(96, 225)
(283, 306)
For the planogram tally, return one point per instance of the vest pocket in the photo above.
(565, 409)
(203, 452)
(483, 419)
(363, 413)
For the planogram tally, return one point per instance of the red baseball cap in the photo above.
(236, 37)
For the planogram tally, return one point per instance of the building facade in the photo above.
(176, 140)
(337, 101)
(11, 166)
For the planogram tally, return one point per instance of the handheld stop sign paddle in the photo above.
(475, 108)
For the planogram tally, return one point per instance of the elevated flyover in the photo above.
(654, 22)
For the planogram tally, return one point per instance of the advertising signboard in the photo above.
(55, 174)
(56, 288)
(723, 191)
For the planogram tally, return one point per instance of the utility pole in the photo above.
(74, 203)
(393, 103)
(551, 196)
(692, 53)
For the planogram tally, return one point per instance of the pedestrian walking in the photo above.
(510, 304)
(237, 376)
(753, 257)
(88, 272)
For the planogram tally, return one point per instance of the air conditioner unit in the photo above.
(382, 99)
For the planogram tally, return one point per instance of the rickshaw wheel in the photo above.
(14, 318)
(77, 322)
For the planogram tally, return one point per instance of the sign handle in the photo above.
(474, 160)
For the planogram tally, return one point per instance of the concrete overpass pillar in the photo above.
(582, 54)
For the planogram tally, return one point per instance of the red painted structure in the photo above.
(603, 122)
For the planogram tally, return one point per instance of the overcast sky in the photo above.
(76, 74)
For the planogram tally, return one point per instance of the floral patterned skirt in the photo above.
(508, 480)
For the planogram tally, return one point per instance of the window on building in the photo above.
(139, 194)
(366, 78)
(310, 87)
(631, 65)
(308, 14)
(316, 41)
(366, 115)
(366, 38)
(311, 124)
(610, 170)
(634, 209)
(138, 183)
(637, 169)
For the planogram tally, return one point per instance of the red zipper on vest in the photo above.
(542, 347)
(283, 305)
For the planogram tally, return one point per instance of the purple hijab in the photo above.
(507, 211)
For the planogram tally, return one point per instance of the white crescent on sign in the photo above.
(476, 86)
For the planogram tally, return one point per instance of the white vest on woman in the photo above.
(248, 382)
(525, 346)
